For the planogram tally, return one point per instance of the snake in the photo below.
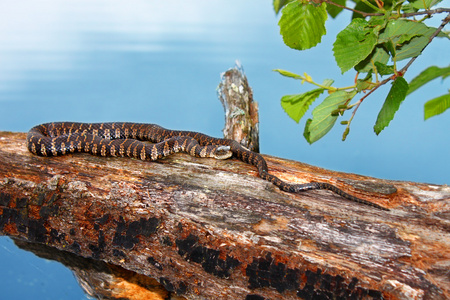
(152, 142)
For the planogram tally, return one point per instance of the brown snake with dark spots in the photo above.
(125, 139)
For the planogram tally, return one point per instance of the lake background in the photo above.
(160, 62)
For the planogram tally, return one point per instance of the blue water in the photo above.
(160, 62)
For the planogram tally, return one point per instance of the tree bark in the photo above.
(209, 229)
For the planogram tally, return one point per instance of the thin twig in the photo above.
(364, 14)
(367, 95)
(404, 15)
(426, 12)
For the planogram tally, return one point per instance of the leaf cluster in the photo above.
(379, 36)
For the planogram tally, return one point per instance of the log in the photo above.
(209, 229)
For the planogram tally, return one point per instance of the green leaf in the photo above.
(384, 69)
(302, 25)
(408, 37)
(394, 32)
(397, 4)
(297, 105)
(327, 82)
(436, 106)
(379, 54)
(362, 84)
(354, 44)
(278, 4)
(390, 47)
(444, 34)
(424, 4)
(408, 8)
(380, 21)
(392, 103)
(427, 75)
(323, 121)
(361, 6)
(288, 74)
(334, 10)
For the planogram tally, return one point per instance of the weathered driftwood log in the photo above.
(209, 229)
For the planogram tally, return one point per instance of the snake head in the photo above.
(222, 152)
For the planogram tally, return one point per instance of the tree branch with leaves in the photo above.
(380, 36)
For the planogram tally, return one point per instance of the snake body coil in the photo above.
(125, 139)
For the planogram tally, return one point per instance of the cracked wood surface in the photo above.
(210, 229)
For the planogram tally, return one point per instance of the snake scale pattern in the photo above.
(126, 140)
